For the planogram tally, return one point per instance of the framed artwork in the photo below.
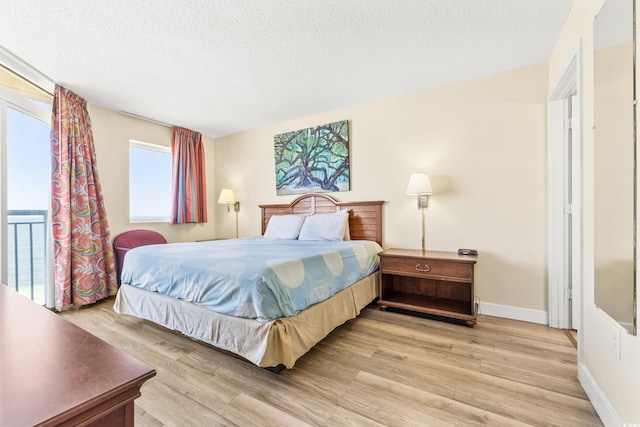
(313, 160)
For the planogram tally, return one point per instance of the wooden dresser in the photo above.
(431, 282)
(54, 373)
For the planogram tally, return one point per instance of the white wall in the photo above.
(112, 132)
(481, 141)
(613, 383)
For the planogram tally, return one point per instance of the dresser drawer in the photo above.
(426, 268)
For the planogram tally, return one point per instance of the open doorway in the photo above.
(564, 178)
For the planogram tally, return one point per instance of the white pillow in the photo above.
(286, 227)
(347, 233)
(325, 227)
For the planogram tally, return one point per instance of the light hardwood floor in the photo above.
(383, 368)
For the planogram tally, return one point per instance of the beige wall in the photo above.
(112, 132)
(481, 141)
(23, 87)
(617, 379)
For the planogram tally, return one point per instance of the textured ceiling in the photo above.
(223, 66)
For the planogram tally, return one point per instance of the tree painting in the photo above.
(313, 160)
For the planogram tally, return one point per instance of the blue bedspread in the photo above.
(256, 278)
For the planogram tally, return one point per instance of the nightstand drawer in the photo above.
(427, 268)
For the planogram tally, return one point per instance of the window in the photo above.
(149, 182)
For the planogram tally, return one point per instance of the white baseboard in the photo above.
(603, 407)
(515, 313)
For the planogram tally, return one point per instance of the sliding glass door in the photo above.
(25, 180)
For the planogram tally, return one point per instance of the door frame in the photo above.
(15, 102)
(9, 99)
(569, 84)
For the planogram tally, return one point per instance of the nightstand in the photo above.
(431, 282)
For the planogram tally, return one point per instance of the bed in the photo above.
(267, 339)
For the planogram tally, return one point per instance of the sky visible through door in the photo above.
(28, 188)
(28, 164)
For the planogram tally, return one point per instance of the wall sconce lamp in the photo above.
(227, 197)
(420, 185)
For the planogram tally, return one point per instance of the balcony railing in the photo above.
(27, 237)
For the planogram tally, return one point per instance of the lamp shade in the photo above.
(227, 197)
(419, 184)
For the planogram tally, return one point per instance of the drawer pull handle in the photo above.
(424, 269)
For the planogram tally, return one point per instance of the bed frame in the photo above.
(276, 344)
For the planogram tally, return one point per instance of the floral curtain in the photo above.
(189, 179)
(83, 254)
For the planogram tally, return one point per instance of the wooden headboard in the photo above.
(365, 218)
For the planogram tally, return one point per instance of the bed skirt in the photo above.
(265, 344)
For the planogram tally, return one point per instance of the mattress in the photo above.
(254, 278)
